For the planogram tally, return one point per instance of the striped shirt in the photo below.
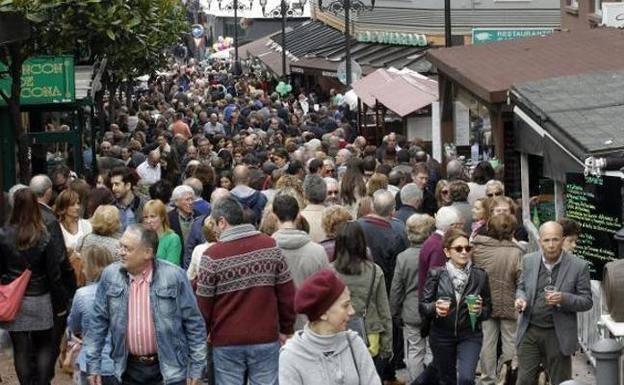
(141, 330)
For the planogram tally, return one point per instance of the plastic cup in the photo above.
(548, 290)
(446, 302)
(471, 301)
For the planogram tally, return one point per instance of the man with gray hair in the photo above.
(455, 170)
(246, 294)
(332, 196)
(554, 286)
(196, 236)
(200, 205)
(342, 157)
(182, 216)
(386, 238)
(156, 329)
(411, 197)
(315, 191)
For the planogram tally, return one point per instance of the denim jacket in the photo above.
(180, 328)
(79, 322)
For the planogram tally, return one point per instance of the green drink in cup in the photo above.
(471, 302)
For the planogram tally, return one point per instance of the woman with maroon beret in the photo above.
(325, 352)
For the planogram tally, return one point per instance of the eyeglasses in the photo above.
(461, 249)
(498, 193)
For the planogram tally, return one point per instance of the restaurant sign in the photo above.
(45, 80)
(397, 38)
(489, 35)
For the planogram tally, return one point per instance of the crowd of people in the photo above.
(233, 235)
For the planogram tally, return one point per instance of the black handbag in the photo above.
(358, 323)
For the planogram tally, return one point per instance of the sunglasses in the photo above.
(444, 192)
(461, 249)
(498, 193)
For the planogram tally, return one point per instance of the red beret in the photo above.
(317, 294)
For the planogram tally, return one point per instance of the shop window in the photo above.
(541, 192)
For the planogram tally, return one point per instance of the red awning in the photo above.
(406, 94)
(403, 92)
(365, 86)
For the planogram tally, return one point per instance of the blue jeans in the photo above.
(455, 358)
(259, 363)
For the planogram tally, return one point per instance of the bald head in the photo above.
(153, 158)
(241, 175)
(551, 240)
(218, 193)
(196, 185)
(383, 203)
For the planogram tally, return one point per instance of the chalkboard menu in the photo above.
(595, 202)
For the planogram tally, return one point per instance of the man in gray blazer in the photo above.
(554, 286)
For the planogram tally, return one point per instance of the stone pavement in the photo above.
(581, 369)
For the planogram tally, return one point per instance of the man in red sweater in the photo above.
(245, 293)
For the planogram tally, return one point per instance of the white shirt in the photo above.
(71, 240)
(198, 251)
(149, 175)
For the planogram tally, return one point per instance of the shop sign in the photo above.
(329, 74)
(397, 38)
(296, 70)
(489, 35)
(595, 202)
(45, 80)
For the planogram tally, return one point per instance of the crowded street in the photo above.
(311, 193)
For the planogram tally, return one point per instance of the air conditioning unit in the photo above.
(613, 15)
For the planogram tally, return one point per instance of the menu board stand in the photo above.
(595, 203)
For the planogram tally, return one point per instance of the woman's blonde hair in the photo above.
(377, 181)
(95, 259)
(105, 220)
(419, 227)
(209, 229)
(156, 206)
(332, 218)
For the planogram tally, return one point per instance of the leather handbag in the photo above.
(11, 296)
(358, 323)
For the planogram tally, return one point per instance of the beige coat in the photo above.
(313, 214)
(502, 260)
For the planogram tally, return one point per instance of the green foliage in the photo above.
(132, 34)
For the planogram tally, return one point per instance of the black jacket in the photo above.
(43, 260)
(438, 285)
(68, 278)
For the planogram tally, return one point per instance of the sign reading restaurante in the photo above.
(489, 35)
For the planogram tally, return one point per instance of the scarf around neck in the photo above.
(459, 277)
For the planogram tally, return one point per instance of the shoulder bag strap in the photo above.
(357, 370)
(370, 290)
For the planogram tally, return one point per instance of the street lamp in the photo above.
(337, 6)
(236, 6)
(284, 10)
